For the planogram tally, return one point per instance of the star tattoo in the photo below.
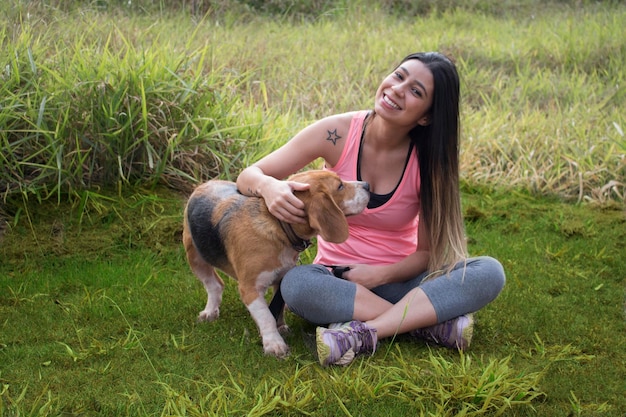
(333, 136)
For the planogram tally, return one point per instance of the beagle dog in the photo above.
(236, 234)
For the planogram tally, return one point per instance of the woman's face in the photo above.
(405, 95)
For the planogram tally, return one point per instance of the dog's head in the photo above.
(329, 200)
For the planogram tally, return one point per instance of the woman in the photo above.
(408, 268)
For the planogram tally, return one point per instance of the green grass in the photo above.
(104, 103)
(98, 316)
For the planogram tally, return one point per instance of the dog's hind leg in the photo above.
(213, 284)
(205, 272)
(214, 287)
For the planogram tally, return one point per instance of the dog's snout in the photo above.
(360, 199)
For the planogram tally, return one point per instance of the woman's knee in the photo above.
(313, 293)
(491, 274)
(296, 282)
(495, 270)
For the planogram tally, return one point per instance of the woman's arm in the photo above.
(371, 276)
(264, 177)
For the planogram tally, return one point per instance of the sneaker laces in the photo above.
(347, 340)
(455, 333)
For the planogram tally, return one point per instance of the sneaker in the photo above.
(339, 346)
(338, 325)
(454, 334)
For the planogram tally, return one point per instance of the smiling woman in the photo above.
(407, 150)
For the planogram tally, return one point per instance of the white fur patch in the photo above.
(358, 203)
(214, 297)
(273, 343)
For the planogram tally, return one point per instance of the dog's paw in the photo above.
(275, 348)
(209, 315)
(283, 329)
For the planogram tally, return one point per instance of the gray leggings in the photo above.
(315, 294)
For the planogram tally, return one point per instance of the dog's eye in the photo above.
(340, 186)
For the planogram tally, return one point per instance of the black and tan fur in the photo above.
(226, 230)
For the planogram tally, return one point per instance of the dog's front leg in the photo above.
(280, 318)
(273, 343)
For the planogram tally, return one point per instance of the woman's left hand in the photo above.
(368, 276)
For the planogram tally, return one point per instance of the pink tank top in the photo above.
(379, 236)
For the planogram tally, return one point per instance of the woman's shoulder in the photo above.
(340, 121)
(347, 116)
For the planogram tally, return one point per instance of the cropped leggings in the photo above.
(315, 294)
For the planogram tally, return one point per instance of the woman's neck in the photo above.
(384, 136)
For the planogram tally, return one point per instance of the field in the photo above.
(110, 112)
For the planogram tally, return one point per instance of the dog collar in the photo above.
(297, 243)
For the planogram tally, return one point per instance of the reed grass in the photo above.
(434, 385)
(101, 113)
(123, 99)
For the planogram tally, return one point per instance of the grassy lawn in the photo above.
(111, 111)
(99, 318)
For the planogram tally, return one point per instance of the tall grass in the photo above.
(100, 112)
(434, 385)
(116, 98)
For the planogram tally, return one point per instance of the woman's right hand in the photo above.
(278, 194)
(282, 203)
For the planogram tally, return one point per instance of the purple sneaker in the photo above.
(339, 345)
(454, 334)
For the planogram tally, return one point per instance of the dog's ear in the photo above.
(327, 219)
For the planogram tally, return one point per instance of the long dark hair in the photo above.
(438, 153)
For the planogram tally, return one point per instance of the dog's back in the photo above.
(209, 212)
